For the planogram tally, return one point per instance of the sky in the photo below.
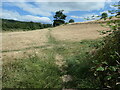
(43, 11)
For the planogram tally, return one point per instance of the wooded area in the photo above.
(12, 25)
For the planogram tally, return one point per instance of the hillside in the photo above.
(17, 41)
(60, 45)
(13, 25)
(57, 57)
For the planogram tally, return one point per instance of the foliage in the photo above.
(12, 25)
(104, 15)
(117, 12)
(71, 21)
(107, 64)
(58, 22)
(59, 18)
(107, 59)
(59, 15)
(78, 61)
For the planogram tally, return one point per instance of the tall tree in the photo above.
(59, 18)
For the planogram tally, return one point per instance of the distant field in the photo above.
(77, 32)
(16, 44)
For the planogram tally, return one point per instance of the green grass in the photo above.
(42, 72)
(32, 73)
(78, 60)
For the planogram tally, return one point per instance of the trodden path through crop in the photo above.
(59, 58)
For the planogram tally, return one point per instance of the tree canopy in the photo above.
(59, 18)
(59, 15)
(104, 15)
(71, 21)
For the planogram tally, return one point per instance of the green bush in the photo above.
(71, 21)
(107, 59)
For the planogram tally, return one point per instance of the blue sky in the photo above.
(43, 11)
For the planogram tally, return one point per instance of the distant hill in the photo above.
(13, 25)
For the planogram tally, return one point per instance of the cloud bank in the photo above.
(16, 16)
(46, 8)
(41, 10)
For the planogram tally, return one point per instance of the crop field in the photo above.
(18, 43)
(49, 58)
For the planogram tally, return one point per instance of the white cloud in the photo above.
(16, 16)
(46, 8)
(90, 15)
(85, 16)
(76, 17)
(36, 10)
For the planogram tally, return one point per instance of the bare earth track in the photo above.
(17, 44)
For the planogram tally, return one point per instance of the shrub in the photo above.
(107, 59)
(71, 21)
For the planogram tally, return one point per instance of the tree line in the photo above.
(9, 25)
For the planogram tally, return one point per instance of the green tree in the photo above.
(104, 15)
(59, 18)
(71, 21)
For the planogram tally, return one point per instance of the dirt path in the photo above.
(59, 59)
(60, 62)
